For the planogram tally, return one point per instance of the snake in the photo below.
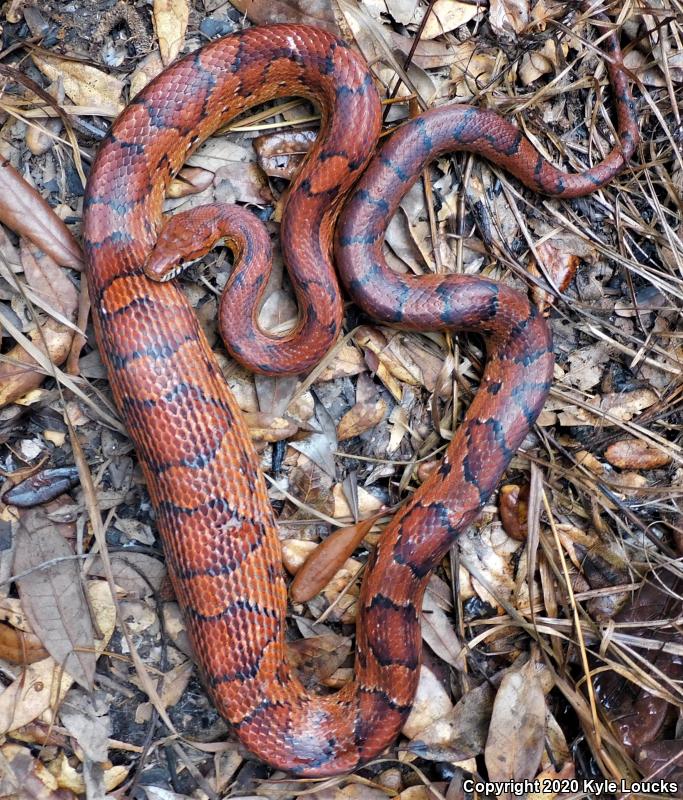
(212, 509)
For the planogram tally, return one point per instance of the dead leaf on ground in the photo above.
(43, 685)
(170, 24)
(25, 211)
(53, 596)
(23, 775)
(280, 154)
(517, 731)
(84, 84)
(635, 454)
(265, 12)
(432, 702)
(461, 733)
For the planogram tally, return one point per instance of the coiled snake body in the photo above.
(213, 514)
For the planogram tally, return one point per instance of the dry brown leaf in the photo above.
(348, 360)
(190, 180)
(513, 506)
(317, 658)
(439, 634)
(360, 418)
(175, 682)
(308, 12)
(20, 647)
(23, 776)
(268, 427)
(137, 574)
(150, 66)
(53, 596)
(170, 24)
(471, 67)
(559, 264)
(635, 454)
(49, 281)
(460, 734)
(85, 85)
(447, 15)
(18, 373)
(326, 559)
(280, 154)
(431, 702)
(517, 732)
(368, 504)
(24, 211)
(43, 685)
(540, 62)
(85, 718)
(509, 15)
(71, 780)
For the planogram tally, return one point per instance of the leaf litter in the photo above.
(573, 572)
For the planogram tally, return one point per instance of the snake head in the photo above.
(179, 244)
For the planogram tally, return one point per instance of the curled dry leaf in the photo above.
(53, 597)
(190, 180)
(53, 290)
(326, 560)
(85, 718)
(24, 211)
(635, 454)
(73, 781)
(431, 702)
(559, 265)
(280, 154)
(540, 62)
(150, 66)
(471, 67)
(507, 16)
(513, 505)
(48, 281)
(170, 23)
(43, 685)
(360, 418)
(83, 84)
(461, 733)
(317, 658)
(39, 139)
(447, 15)
(20, 647)
(517, 732)
(269, 428)
(439, 634)
(25, 776)
(42, 487)
(308, 12)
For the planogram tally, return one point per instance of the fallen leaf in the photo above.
(170, 24)
(360, 418)
(280, 154)
(84, 84)
(636, 454)
(439, 634)
(326, 560)
(308, 12)
(24, 211)
(517, 731)
(460, 734)
(53, 596)
(44, 684)
(431, 702)
(447, 15)
(26, 777)
(507, 16)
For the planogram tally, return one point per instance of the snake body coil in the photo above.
(217, 526)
